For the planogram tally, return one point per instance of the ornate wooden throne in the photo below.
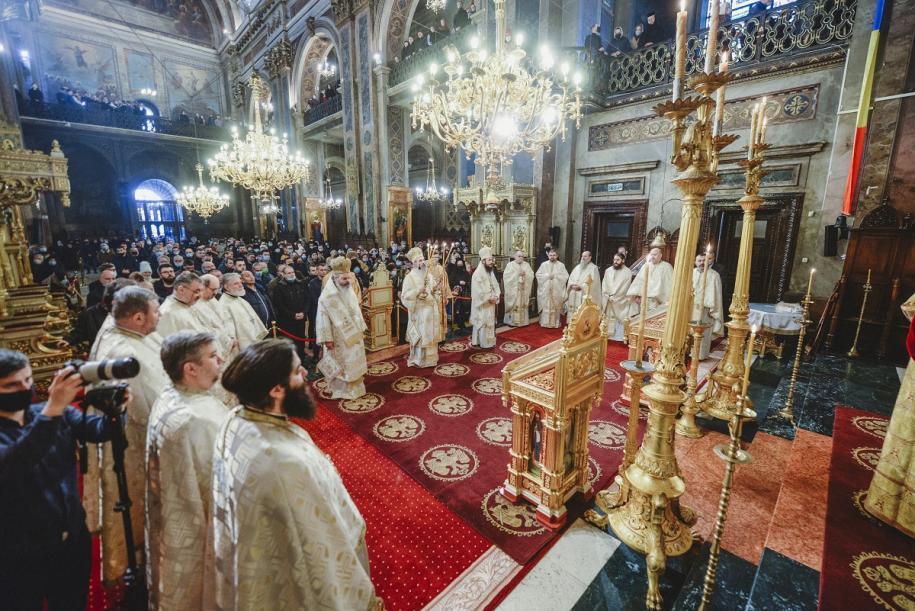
(550, 392)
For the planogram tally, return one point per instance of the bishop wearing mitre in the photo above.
(618, 306)
(708, 308)
(577, 284)
(660, 281)
(136, 314)
(419, 298)
(177, 311)
(518, 279)
(551, 290)
(339, 329)
(440, 288)
(484, 297)
(243, 322)
(179, 455)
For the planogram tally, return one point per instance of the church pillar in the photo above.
(370, 184)
(351, 129)
(386, 127)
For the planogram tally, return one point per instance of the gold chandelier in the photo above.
(328, 202)
(433, 193)
(326, 70)
(201, 200)
(261, 162)
(495, 106)
(436, 6)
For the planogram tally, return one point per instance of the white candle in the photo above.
(711, 48)
(754, 117)
(680, 51)
(643, 315)
(810, 282)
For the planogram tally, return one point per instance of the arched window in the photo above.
(158, 212)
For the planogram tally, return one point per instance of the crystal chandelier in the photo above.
(326, 70)
(436, 6)
(328, 202)
(261, 162)
(201, 200)
(496, 106)
(432, 193)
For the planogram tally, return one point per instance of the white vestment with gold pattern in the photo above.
(340, 321)
(552, 277)
(175, 316)
(242, 320)
(712, 308)
(286, 534)
(423, 322)
(660, 283)
(144, 390)
(618, 306)
(579, 276)
(483, 287)
(518, 280)
(179, 457)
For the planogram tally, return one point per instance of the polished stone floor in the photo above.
(772, 547)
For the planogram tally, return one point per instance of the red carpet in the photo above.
(866, 564)
(448, 430)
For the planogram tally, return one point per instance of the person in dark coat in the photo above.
(315, 285)
(290, 300)
(107, 275)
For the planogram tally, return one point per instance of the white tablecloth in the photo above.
(784, 319)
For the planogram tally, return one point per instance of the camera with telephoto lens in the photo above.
(109, 398)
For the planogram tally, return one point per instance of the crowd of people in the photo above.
(421, 37)
(331, 90)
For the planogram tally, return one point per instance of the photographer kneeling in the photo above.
(45, 548)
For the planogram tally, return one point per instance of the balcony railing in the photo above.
(122, 120)
(791, 30)
(326, 108)
(419, 61)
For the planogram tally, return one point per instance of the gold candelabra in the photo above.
(720, 401)
(686, 425)
(646, 513)
(732, 454)
(853, 353)
(787, 412)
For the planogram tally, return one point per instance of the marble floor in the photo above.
(772, 546)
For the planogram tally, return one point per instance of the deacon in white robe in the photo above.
(440, 290)
(179, 456)
(577, 284)
(209, 311)
(518, 279)
(339, 329)
(618, 306)
(422, 325)
(484, 296)
(708, 308)
(243, 322)
(285, 532)
(552, 277)
(177, 311)
(136, 313)
(660, 281)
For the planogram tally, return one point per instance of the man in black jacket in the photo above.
(46, 549)
(315, 285)
(290, 299)
(106, 276)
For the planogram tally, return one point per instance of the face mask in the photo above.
(13, 402)
(290, 278)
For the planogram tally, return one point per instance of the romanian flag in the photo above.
(864, 108)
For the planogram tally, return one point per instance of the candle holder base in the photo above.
(707, 84)
(853, 353)
(742, 457)
(787, 413)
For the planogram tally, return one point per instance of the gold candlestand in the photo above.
(686, 425)
(853, 353)
(720, 400)
(647, 515)
(787, 412)
(731, 454)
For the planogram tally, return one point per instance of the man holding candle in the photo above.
(707, 301)
(578, 280)
(659, 284)
(617, 304)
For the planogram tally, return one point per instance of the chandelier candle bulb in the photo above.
(711, 47)
(643, 315)
(680, 56)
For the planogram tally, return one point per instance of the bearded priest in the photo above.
(578, 280)
(617, 305)
(179, 453)
(711, 310)
(285, 531)
(245, 325)
(485, 295)
(551, 290)
(339, 329)
(418, 297)
(518, 279)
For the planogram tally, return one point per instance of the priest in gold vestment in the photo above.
(618, 306)
(177, 311)
(340, 330)
(578, 283)
(551, 290)
(891, 496)
(418, 297)
(518, 279)
(209, 311)
(485, 295)
(136, 314)
(179, 454)
(440, 291)
(243, 322)
(285, 532)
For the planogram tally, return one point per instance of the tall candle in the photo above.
(754, 116)
(868, 276)
(680, 51)
(810, 281)
(643, 315)
(708, 251)
(711, 47)
(748, 361)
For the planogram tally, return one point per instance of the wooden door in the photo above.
(607, 226)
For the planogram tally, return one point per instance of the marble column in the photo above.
(383, 149)
(351, 129)
(370, 175)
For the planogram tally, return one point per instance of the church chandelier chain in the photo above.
(497, 105)
(261, 162)
(328, 202)
(432, 193)
(202, 200)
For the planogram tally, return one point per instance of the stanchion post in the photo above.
(273, 328)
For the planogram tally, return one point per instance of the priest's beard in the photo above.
(617, 265)
(488, 267)
(298, 403)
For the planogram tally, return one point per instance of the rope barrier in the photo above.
(295, 338)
